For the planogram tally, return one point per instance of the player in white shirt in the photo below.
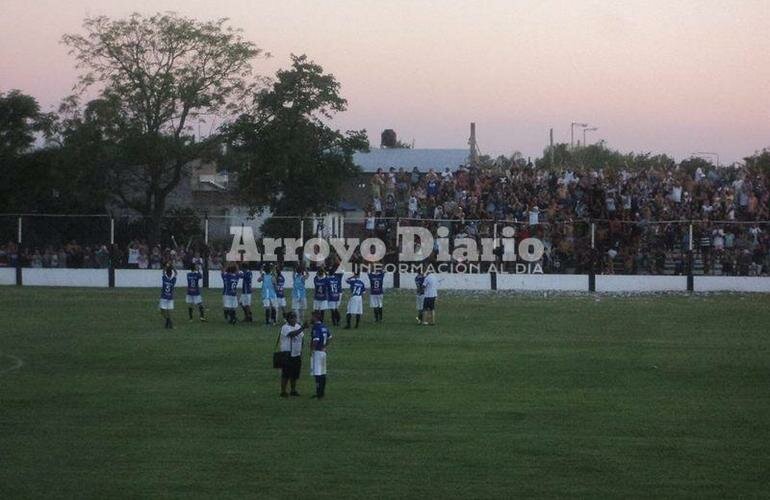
(430, 288)
(291, 345)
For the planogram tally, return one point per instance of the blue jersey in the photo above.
(356, 287)
(268, 287)
(280, 281)
(418, 281)
(229, 284)
(247, 277)
(320, 335)
(298, 289)
(193, 283)
(432, 187)
(167, 288)
(334, 284)
(376, 282)
(320, 292)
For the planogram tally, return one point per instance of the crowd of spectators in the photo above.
(641, 216)
(641, 219)
(137, 254)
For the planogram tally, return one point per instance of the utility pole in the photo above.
(705, 153)
(551, 148)
(474, 150)
(591, 129)
(572, 132)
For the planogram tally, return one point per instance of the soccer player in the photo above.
(246, 277)
(193, 297)
(430, 284)
(298, 293)
(167, 294)
(419, 279)
(230, 293)
(320, 339)
(280, 291)
(376, 286)
(291, 344)
(333, 295)
(320, 293)
(269, 297)
(355, 303)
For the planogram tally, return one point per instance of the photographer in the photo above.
(291, 346)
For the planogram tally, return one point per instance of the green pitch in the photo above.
(508, 396)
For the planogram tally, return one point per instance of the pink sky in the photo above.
(664, 76)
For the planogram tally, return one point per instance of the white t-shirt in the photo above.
(293, 344)
(676, 194)
(133, 255)
(430, 284)
(534, 216)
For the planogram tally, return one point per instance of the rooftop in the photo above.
(424, 159)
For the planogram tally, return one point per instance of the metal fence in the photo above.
(732, 248)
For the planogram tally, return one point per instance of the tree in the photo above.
(22, 170)
(20, 120)
(156, 74)
(759, 162)
(288, 158)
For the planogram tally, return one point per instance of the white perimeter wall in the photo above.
(65, 277)
(618, 283)
(542, 282)
(145, 278)
(7, 275)
(731, 283)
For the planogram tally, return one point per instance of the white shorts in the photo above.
(166, 304)
(246, 299)
(318, 363)
(375, 300)
(355, 305)
(332, 304)
(229, 301)
(319, 305)
(281, 301)
(418, 302)
(270, 302)
(193, 299)
(298, 303)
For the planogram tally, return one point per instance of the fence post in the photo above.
(18, 254)
(205, 255)
(397, 273)
(302, 230)
(592, 264)
(111, 269)
(493, 273)
(690, 279)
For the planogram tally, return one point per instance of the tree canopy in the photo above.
(289, 159)
(155, 75)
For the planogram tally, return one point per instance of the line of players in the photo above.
(327, 294)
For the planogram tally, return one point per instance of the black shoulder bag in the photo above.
(279, 357)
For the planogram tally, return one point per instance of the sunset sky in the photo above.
(657, 75)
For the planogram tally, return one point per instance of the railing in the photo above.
(583, 247)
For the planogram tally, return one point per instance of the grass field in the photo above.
(508, 396)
